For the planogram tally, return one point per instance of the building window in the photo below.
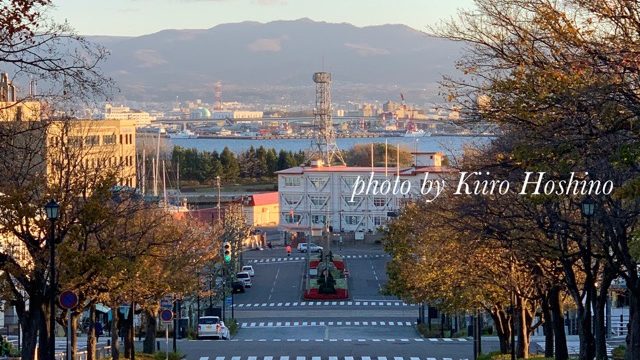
(292, 219)
(292, 181)
(109, 139)
(352, 219)
(318, 219)
(318, 182)
(318, 200)
(357, 200)
(292, 199)
(75, 141)
(379, 220)
(349, 180)
(379, 201)
(92, 140)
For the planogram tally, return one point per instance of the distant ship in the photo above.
(416, 133)
(184, 134)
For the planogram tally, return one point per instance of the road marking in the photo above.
(304, 323)
(287, 304)
(390, 340)
(341, 302)
(334, 303)
(365, 323)
(357, 302)
(462, 339)
(333, 358)
(296, 323)
(271, 358)
(356, 323)
(262, 340)
(279, 304)
(362, 340)
(248, 339)
(432, 339)
(346, 340)
(374, 323)
(348, 358)
(348, 323)
(278, 323)
(270, 324)
(272, 304)
(264, 304)
(447, 339)
(334, 340)
(252, 324)
(326, 303)
(240, 305)
(284, 358)
(366, 358)
(291, 340)
(391, 323)
(431, 358)
(330, 323)
(261, 324)
(375, 340)
(446, 359)
(315, 358)
(276, 340)
(313, 323)
(404, 340)
(295, 304)
(382, 323)
(252, 358)
(304, 340)
(235, 358)
(319, 340)
(339, 323)
(412, 358)
(300, 357)
(219, 357)
(204, 358)
(408, 323)
(321, 323)
(243, 325)
(382, 358)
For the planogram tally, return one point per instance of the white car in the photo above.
(249, 269)
(244, 276)
(302, 247)
(212, 327)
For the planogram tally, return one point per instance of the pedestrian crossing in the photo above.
(278, 324)
(368, 340)
(573, 347)
(300, 258)
(392, 303)
(311, 357)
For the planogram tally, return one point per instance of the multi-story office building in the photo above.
(316, 197)
(125, 113)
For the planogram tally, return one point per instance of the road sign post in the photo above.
(166, 315)
(68, 300)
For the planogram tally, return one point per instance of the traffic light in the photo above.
(227, 252)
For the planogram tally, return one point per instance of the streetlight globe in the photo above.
(52, 208)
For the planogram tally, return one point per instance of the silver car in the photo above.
(212, 327)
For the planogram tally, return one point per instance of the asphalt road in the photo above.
(277, 324)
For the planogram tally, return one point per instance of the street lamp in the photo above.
(52, 209)
(588, 207)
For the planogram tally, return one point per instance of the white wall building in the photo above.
(314, 197)
(125, 113)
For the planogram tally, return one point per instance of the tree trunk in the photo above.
(43, 336)
(115, 333)
(503, 327)
(128, 337)
(525, 316)
(557, 315)
(547, 327)
(584, 332)
(91, 336)
(633, 335)
(75, 316)
(149, 346)
(30, 323)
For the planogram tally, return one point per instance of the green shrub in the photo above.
(618, 352)
(172, 356)
(233, 326)
(423, 329)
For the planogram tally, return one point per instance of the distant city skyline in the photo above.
(140, 17)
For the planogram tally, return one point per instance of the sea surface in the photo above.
(450, 145)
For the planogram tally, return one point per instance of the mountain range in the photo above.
(252, 58)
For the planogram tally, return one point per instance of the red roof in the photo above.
(269, 198)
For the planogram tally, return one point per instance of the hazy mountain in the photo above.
(251, 57)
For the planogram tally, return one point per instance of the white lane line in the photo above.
(219, 357)
(316, 358)
(412, 358)
(300, 357)
(279, 304)
(284, 358)
(204, 358)
(462, 339)
(295, 304)
(235, 358)
(366, 358)
(447, 339)
(252, 324)
(276, 340)
(286, 304)
(261, 324)
(278, 323)
(243, 325)
(252, 358)
(431, 358)
(270, 324)
(382, 358)
(433, 339)
(271, 358)
(333, 358)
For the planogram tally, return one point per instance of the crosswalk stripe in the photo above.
(432, 339)
(447, 339)
(252, 358)
(252, 324)
(366, 358)
(315, 358)
(271, 358)
(279, 304)
(243, 325)
(333, 358)
(330, 323)
(412, 358)
(235, 358)
(204, 358)
(284, 358)
(419, 340)
(382, 358)
(270, 324)
(295, 304)
(300, 357)
(446, 359)
(278, 323)
(462, 339)
(431, 358)
(286, 304)
(348, 358)
(219, 357)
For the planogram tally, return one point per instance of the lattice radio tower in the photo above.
(324, 143)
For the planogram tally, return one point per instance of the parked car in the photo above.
(249, 269)
(302, 247)
(212, 327)
(237, 286)
(245, 277)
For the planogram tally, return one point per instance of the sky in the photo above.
(139, 17)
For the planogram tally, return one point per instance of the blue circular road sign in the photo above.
(68, 300)
(166, 315)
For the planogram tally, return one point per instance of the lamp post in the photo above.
(218, 185)
(52, 209)
(588, 208)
